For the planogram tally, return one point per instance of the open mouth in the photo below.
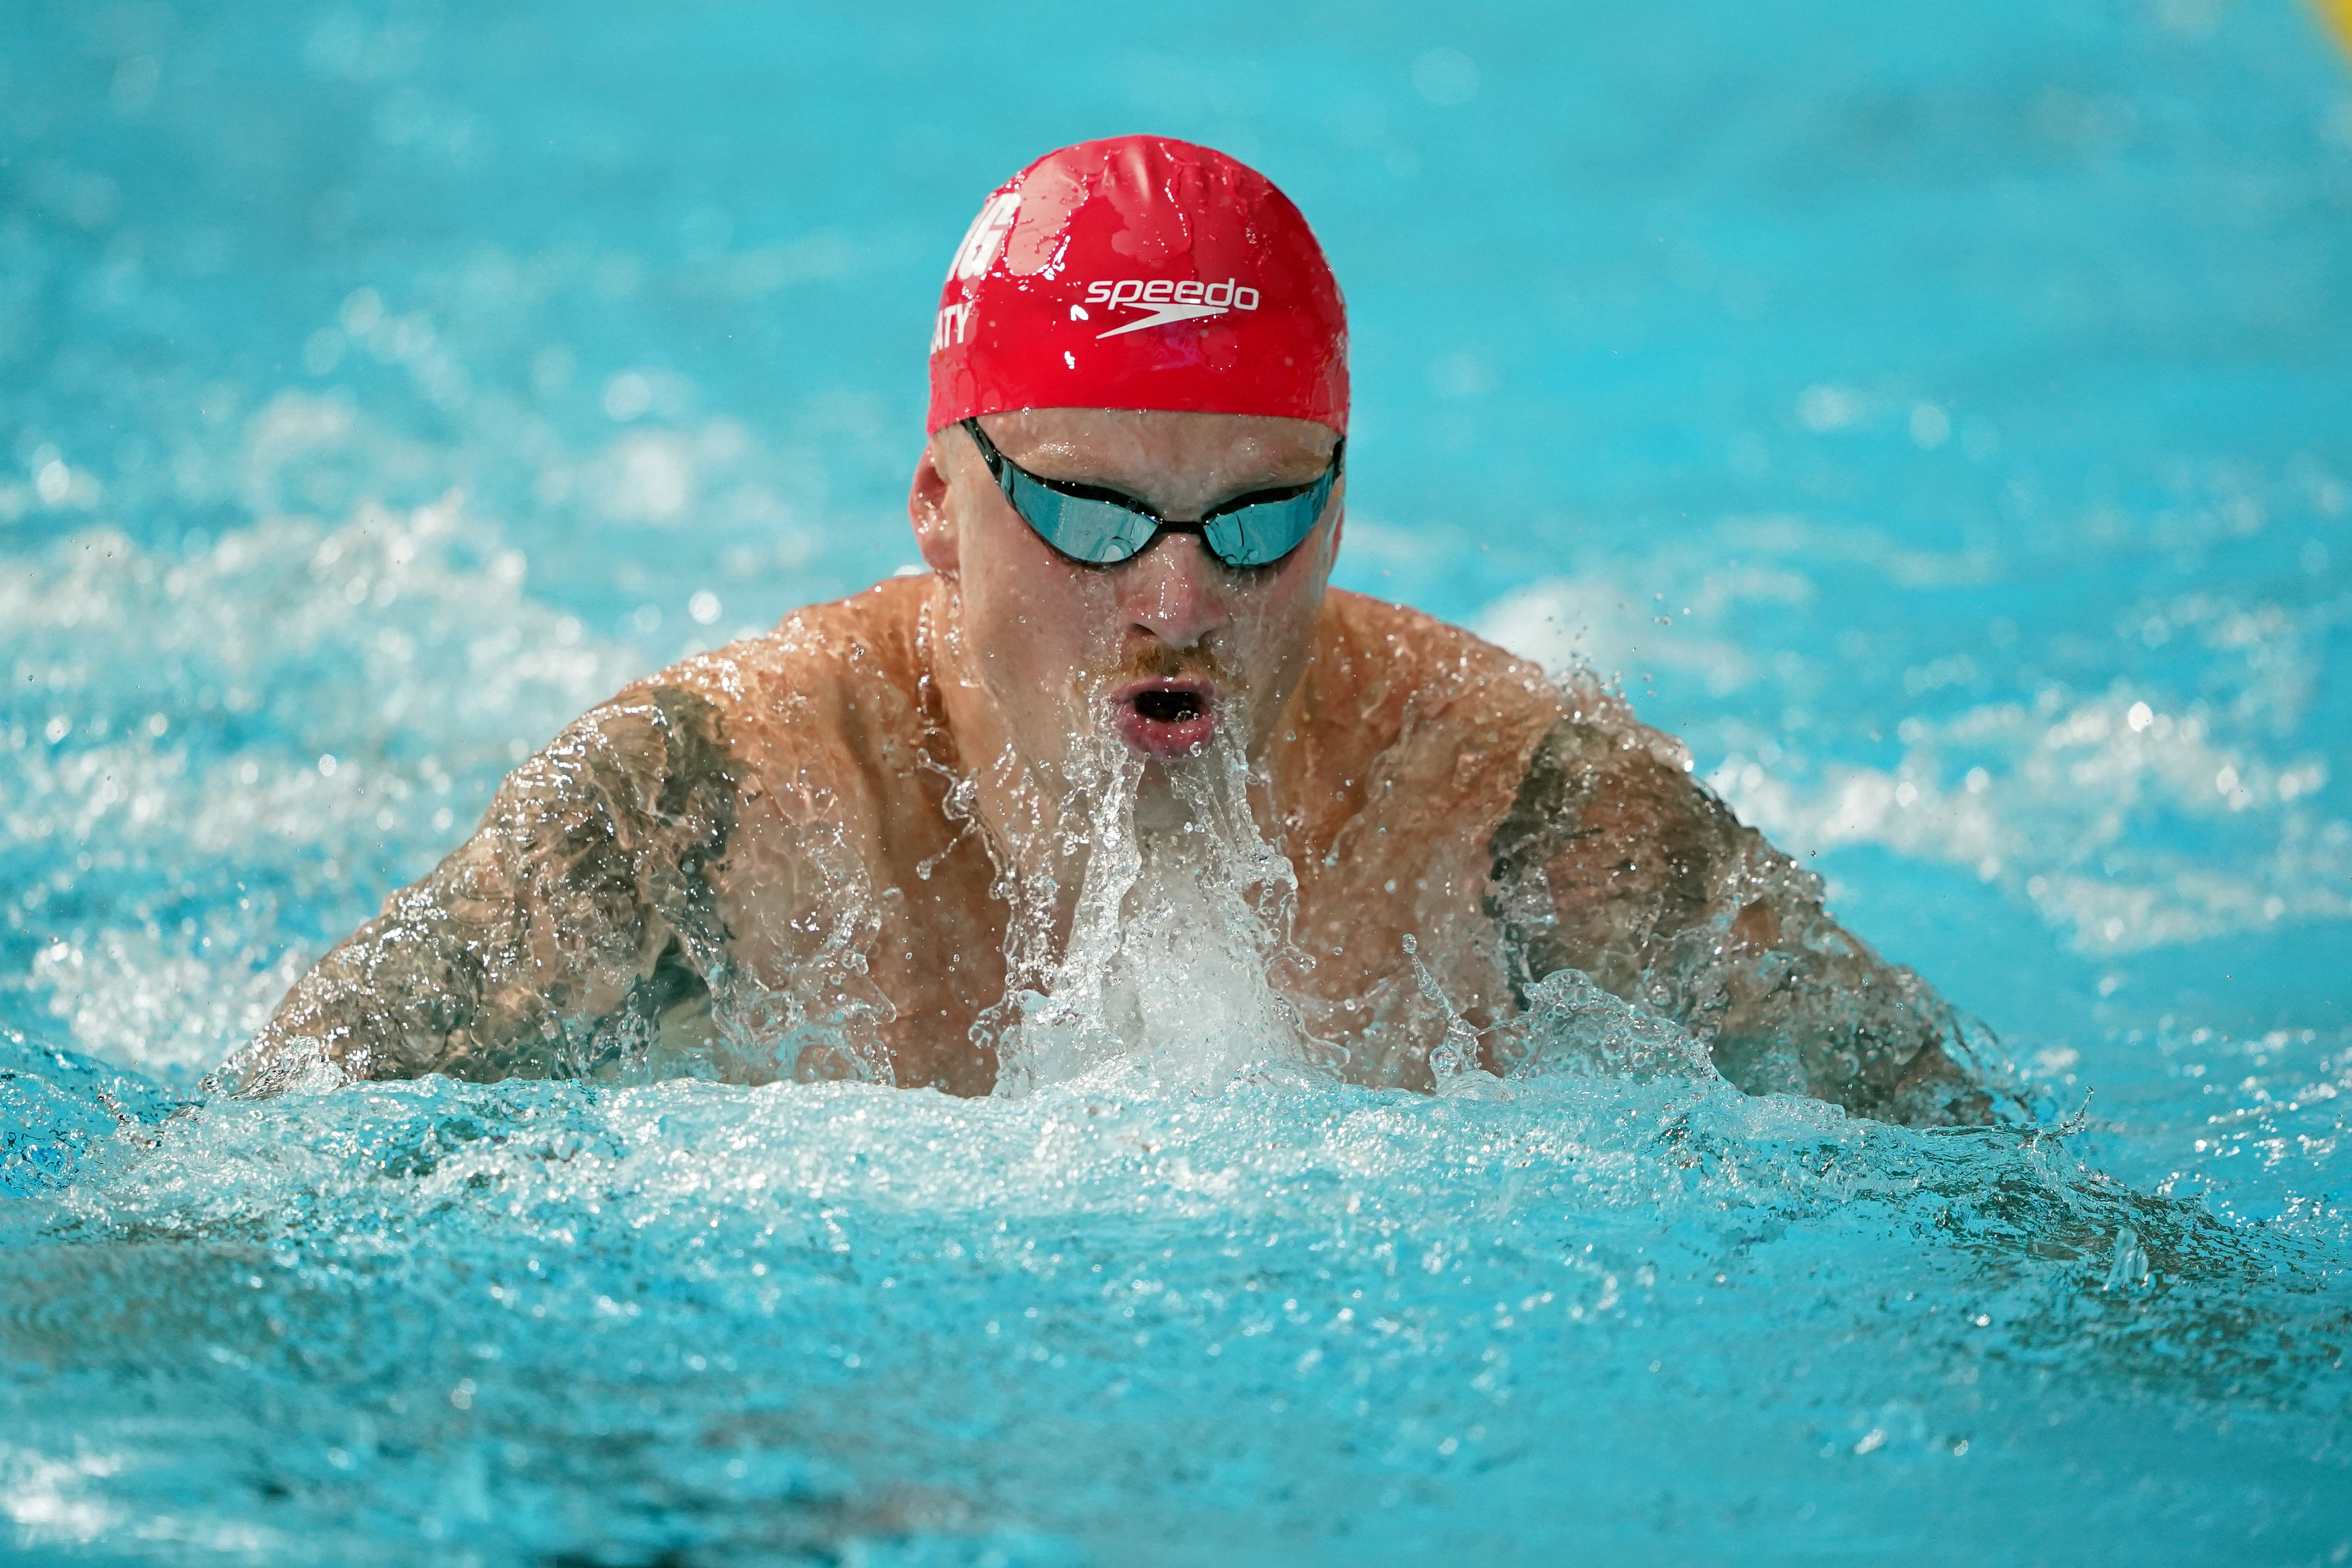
(1169, 707)
(1167, 718)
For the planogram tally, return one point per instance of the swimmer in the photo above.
(853, 846)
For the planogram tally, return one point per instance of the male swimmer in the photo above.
(853, 846)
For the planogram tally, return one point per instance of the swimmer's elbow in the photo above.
(1911, 1065)
(1936, 1090)
(276, 1063)
(333, 1028)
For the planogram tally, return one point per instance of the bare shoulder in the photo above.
(1394, 691)
(1393, 649)
(584, 923)
(1579, 786)
(833, 686)
(823, 657)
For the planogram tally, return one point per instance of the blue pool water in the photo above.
(1940, 415)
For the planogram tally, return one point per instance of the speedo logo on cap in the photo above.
(1167, 301)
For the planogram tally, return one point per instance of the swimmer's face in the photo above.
(1161, 649)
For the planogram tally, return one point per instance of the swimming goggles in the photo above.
(1103, 527)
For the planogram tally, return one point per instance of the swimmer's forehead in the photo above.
(1149, 449)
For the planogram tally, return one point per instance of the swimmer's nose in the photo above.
(1171, 592)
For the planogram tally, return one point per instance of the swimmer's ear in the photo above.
(927, 509)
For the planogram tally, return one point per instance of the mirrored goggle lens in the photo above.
(1102, 532)
(1263, 533)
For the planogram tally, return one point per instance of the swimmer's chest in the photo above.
(1386, 790)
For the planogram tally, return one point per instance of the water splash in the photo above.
(1179, 944)
(1282, 1300)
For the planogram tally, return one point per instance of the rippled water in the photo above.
(532, 1320)
(1939, 418)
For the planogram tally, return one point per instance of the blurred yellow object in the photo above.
(2339, 13)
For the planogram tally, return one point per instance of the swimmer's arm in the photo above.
(1616, 862)
(577, 924)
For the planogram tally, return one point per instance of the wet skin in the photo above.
(1042, 650)
(819, 835)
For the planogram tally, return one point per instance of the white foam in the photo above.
(304, 710)
(1168, 976)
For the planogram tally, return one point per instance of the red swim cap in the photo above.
(1140, 273)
